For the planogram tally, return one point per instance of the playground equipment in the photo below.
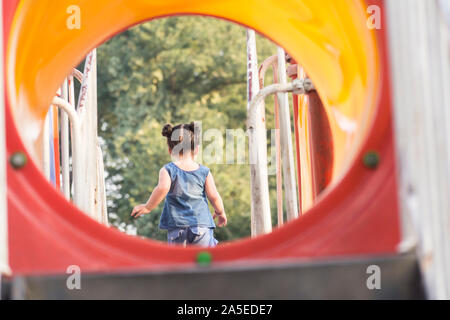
(87, 160)
(260, 211)
(357, 215)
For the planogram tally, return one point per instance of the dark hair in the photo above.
(181, 137)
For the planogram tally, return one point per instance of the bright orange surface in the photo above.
(328, 37)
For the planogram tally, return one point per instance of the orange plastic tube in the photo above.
(327, 37)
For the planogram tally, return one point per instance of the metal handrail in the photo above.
(69, 109)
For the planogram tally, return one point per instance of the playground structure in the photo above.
(87, 161)
(343, 137)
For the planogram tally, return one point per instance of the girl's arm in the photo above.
(216, 200)
(158, 194)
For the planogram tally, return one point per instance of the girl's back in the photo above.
(186, 203)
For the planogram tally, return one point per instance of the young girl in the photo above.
(185, 185)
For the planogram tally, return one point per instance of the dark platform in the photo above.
(327, 279)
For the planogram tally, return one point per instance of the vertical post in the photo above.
(295, 106)
(273, 61)
(97, 192)
(46, 146)
(290, 189)
(4, 265)
(261, 220)
(420, 73)
(67, 96)
(101, 192)
(91, 139)
(56, 147)
(305, 179)
(92, 199)
(87, 159)
(279, 178)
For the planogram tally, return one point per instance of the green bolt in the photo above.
(371, 159)
(18, 160)
(204, 258)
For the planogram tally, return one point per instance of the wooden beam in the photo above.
(290, 189)
(261, 221)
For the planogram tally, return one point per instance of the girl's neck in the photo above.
(184, 159)
(186, 163)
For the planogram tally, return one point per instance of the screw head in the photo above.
(204, 258)
(371, 159)
(18, 160)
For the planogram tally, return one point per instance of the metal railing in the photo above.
(256, 124)
(88, 187)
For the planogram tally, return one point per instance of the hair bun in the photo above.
(167, 130)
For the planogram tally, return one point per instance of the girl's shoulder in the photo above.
(168, 165)
(170, 168)
(204, 168)
(203, 172)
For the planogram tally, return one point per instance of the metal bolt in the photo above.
(371, 159)
(308, 85)
(204, 258)
(18, 160)
(298, 86)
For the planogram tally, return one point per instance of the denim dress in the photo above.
(186, 214)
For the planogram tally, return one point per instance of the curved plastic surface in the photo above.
(357, 216)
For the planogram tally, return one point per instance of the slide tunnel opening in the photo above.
(349, 99)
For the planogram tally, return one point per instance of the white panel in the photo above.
(420, 72)
(4, 268)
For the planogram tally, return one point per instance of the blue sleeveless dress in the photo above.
(186, 214)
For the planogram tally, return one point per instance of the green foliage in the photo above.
(176, 70)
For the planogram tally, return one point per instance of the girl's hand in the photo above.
(221, 219)
(139, 210)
